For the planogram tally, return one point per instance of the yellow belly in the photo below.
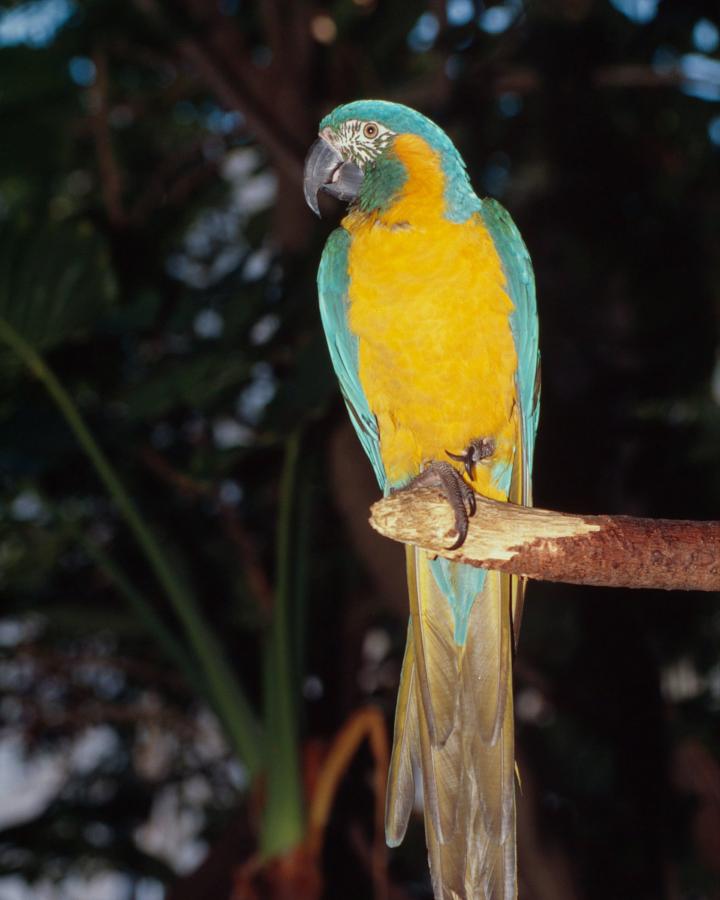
(437, 359)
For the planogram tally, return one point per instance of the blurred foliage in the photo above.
(156, 251)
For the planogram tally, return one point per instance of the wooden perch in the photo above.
(616, 551)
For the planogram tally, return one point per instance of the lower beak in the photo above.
(326, 170)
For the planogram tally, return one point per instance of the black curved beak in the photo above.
(326, 170)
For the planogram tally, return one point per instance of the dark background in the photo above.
(156, 252)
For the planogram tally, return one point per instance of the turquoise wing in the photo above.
(524, 323)
(333, 282)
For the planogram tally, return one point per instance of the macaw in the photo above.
(427, 299)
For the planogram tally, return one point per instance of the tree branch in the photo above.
(615, 551)
(110, 175)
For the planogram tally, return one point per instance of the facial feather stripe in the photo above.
(350, 139)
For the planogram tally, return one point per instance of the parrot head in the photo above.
(354, 157)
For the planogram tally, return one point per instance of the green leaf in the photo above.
(55, 282)
(283, 818)
(227, 694)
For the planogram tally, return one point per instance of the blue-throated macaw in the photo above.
(427, 298)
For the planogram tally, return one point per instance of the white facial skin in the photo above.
(359, 141)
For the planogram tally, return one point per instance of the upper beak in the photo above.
(325, 169)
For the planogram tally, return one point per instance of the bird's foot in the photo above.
(476, 451)
(459, 494)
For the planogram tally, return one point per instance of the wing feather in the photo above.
(520, 279)
(343, 345)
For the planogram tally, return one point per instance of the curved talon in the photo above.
(457, 491)
(461, 526)
(464, 458)
(476, 451)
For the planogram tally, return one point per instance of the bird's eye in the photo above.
(370, 130)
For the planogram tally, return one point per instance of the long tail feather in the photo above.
(404, 761)
(435, 650)
(467, 763)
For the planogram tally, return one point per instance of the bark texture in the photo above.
(615, 551)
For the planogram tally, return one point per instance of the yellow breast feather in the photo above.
(428, 303)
